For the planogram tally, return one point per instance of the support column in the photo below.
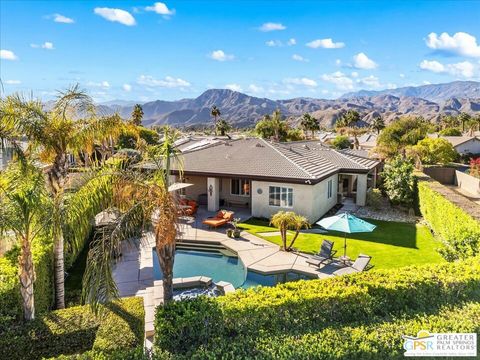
(361, 189)
(213, 194)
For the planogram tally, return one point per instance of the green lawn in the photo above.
(391, 244)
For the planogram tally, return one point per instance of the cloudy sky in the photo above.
(145, 50)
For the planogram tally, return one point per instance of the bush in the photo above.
(341, 142)
(450, 132)
(374, 198)
(399, 181)
(434, 151)
(311, 306)
(74, 330)
(10, 299)
(459, 231)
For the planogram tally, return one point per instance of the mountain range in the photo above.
(242, 110)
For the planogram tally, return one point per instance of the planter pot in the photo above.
(230, 233)
(236, 233)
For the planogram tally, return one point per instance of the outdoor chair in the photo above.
(360, 264)
(221, 218)
(326, 253)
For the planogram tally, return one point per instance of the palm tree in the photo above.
(286, 220)
(144, 202)
(378, 124)
(137, 115)
(215, 112)
(222, 127)
(464, 118)
(449, 121)
(24, 212)
(309, 123)
(54, 135)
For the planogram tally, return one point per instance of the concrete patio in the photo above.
(134, 272)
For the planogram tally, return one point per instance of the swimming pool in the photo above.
(220, 267)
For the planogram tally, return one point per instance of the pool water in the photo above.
(220, 267)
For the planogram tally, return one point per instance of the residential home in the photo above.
(462, 144)
(265, 177)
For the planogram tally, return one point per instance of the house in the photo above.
(305, 176)
(367, 142)
(462, 144)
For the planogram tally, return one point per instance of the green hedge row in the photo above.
(380, 341)
(311, 306)
(119, 326)
(10, 298)
(459, 232)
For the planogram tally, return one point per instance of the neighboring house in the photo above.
(462, 144)
(304, 176)
(367, 142)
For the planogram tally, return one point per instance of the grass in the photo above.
(391, 244)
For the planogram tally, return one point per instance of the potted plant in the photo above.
(230, 233)
(235, 231)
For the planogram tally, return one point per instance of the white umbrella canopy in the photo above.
(178, 186)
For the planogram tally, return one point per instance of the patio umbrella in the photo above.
(348, 224)
(178, 186)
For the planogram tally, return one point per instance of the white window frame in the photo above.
(241, 184)
(282, 196)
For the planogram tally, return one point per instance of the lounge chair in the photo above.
(189, 207)
(221, 218)
(360, 264)
(326, 253)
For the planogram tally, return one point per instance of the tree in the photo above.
(215, 112)
(450, 132)
(70, 127)
(434, 151)
(464, 118)
(222, 127)
(378, 124)
(309, 123)
(144, 202)
(449, 121)
(24, 211)
(288, 220)
(348, 119)
(398, 135)
(399, 181)
(273, 126)
(137, 115)
(341, 142)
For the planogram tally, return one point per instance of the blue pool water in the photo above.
(220, 268)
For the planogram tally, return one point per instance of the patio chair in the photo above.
(360, 264)
(221, 218)
(326, 253)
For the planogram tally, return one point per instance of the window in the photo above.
(329, 189)
(240, 187)
(280, 196)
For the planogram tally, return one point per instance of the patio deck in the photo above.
(134, 272)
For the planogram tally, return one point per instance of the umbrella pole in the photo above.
(345, 245)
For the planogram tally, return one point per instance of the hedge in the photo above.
(311, 306)
(10, 298)
(119, 326)
(458, 230)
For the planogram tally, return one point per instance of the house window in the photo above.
(240, 187)
(280, 196)
(329, 189)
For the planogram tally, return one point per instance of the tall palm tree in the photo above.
(144, 202)
(309, 123)
(464, 118)
(137, 115)
(24, 212)
(215, 112)
(378, 124)
(54, 135)
(222, 127)
(285, 220)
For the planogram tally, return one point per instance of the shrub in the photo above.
(75, 330)
(341, 142)
(399, 181)
(459, 231)
(312, 306)
(450, 132)
(374, 198)
(434, 151)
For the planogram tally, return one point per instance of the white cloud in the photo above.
(291, 42)
(220, 55)
(102, 84)
(116, 15)
(46, 45)
(234, 87)
(273, 43)
(161, 8)
(7, 55)
(354, 74)
(301, 81)
(12, 82)
(325, 43)
(255, 89)
(460, 43)
(59, 18)
(297, 57)
(402, 75)
(340, 80)
(167, 82)
(270, 26)
(370, 81)
(425, 82)
(127, 87)
(462, 69)
(362, 61)
(338, 62)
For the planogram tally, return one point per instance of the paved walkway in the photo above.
(134, 272)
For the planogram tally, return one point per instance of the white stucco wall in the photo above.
(199, 186)
(471, 146)
(308, 200)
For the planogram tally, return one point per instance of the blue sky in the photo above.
(142, 50)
